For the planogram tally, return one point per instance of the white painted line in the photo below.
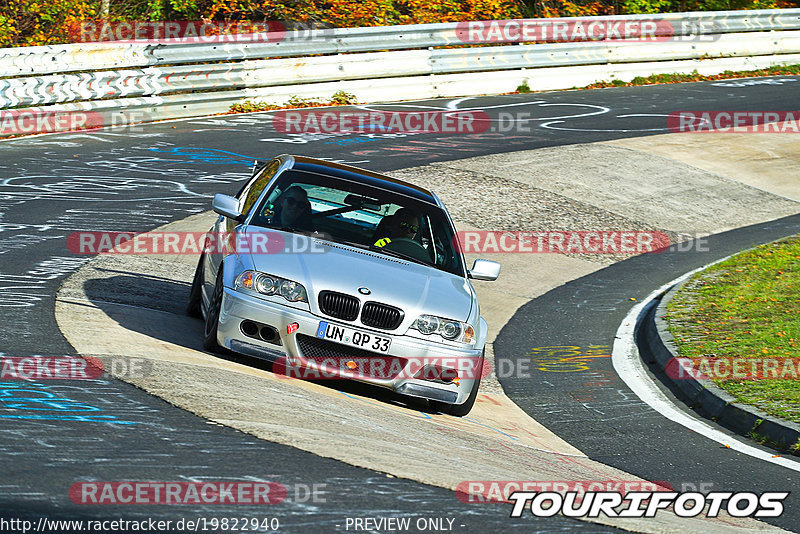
(224, 116)
(628, 365)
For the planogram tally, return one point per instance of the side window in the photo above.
(444, 251)
(267, 209)
(253, 190)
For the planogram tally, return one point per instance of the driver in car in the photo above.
(404, 224)
(293, 210)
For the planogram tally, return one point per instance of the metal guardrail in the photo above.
(95, 56)
(46, 76)
(548, 55)
(35, 91)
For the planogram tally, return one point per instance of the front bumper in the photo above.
(406, 361)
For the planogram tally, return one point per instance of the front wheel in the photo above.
(212, 315)
(460, 410)
(193, 307)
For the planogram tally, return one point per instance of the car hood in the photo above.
(324, 265)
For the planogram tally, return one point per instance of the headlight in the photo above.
(450, 330)
(268, 284)
(426, 324)
(292, 291)
(447, 328)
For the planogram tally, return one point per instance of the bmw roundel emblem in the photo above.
(364, 290)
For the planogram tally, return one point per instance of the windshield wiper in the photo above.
(373, 248)
(346, 242)
(399, 255)
(289, 229)
(293, 230)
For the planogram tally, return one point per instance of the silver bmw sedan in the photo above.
(331, 271)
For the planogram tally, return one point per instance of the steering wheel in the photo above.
(409, 247)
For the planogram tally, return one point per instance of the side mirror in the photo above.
(227, 206)
(484, 270)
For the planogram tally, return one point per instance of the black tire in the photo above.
(460, 410)
(194, 306)
(212, 316)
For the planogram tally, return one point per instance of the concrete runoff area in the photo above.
(765, 161)
(645, 186)
(127, 306)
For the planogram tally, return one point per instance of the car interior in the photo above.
(360, 219)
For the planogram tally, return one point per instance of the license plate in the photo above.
(352, 337)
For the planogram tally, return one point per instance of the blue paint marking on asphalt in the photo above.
(63, 417)
(23, 397)
(207, 155)
(352, 141)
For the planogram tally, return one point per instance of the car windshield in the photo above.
(362, 216)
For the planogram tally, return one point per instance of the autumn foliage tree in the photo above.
(34, 22)
(37, 22)
(567, 8)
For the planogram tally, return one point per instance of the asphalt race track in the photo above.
(51, 186)
(588, 405)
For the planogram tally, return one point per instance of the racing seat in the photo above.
(382, 229)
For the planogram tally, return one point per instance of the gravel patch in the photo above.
(490, 202)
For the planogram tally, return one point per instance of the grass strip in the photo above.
(778, 70)
(746, 307)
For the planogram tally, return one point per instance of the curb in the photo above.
(658, 347)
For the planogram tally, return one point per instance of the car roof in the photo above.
(338, 170)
